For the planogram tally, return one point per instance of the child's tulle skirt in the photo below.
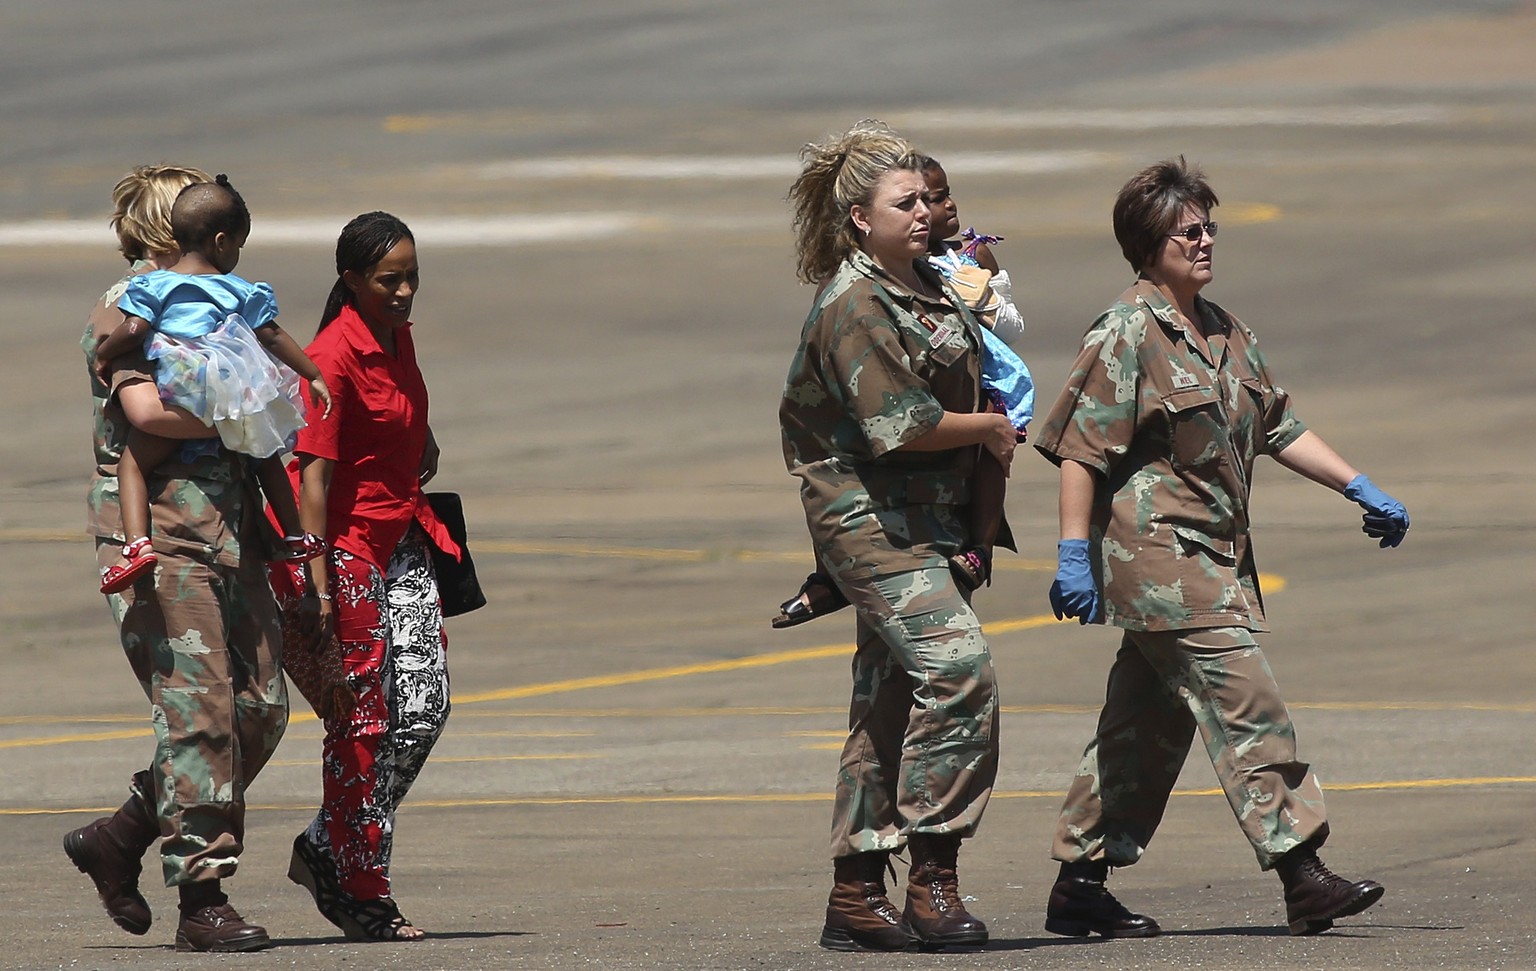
(229, 381)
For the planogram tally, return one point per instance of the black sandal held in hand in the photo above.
(971, 567)
(817, 597)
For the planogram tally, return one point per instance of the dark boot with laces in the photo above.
(1080, 905)
(209, 923)
(109, 851)
(935, 914)
(1315, 896)
(859, 915)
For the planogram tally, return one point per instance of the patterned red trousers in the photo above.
(394, 651)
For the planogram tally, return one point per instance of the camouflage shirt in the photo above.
(199, 509)
(878, 366)
(1173, 429)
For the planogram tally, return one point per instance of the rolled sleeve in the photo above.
(1094, 418)
(1281, 426)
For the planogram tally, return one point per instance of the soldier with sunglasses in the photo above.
(1156, 433)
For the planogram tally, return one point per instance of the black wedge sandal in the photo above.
(375, 920)
(311, 870)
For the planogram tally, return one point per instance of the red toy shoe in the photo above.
(138, 559)
(300, 549)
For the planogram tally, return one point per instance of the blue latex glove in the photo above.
(1385, 518)
(1073, 593)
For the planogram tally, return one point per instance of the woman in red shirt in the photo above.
(361, 471)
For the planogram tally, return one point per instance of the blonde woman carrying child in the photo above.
(214, 337)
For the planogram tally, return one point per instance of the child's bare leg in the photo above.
(972, 566)
(144, 409)
(144, 453)
(279, 492)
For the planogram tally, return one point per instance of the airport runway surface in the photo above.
(637, 772)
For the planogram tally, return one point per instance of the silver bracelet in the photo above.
(320, 596)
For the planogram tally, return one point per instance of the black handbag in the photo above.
(456, 581)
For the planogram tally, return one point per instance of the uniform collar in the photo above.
(1149, 296)
(865, 264)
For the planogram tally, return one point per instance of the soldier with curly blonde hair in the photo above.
(881, 422)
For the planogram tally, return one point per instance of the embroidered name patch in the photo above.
(937, 333)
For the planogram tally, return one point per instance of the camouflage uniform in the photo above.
(877, 367)
(204, 643)
(1173, 428)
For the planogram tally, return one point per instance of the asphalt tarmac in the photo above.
(637, 771)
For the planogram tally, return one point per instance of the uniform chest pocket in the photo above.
(947, 353)
(1196, 435)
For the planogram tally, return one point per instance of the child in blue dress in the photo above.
(968, 265)
(210, 333)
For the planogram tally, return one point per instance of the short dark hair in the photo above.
(1149, 206)
(205, 209)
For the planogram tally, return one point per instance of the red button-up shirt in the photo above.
(376, 434)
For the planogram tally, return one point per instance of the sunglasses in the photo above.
(1193, 233)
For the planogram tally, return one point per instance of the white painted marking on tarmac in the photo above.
(1108, 119)
(729, 168)
(527, 230)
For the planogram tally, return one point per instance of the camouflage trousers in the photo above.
(921, 754)
(203, 641)
(1162, 687)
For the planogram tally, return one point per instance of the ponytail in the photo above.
(363, 242)
(835, 176)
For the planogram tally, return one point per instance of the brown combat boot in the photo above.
(859, 915)
(935, 914)
(1080, 905)
(209, 923)
(109, 851)
(1315, 896)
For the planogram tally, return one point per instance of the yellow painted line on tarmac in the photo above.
(1272, 583)
(71, 719)
(1452, 783)
(654, 674)
(523, 734)
(741, 712)
(552, 757)
(66, 739)
(748, 712)
(770, 659)
(520, 548)
(443, 759)
(1473, 782)
(14, 535)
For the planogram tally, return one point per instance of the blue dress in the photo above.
(1004, 375)
(209, 361)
